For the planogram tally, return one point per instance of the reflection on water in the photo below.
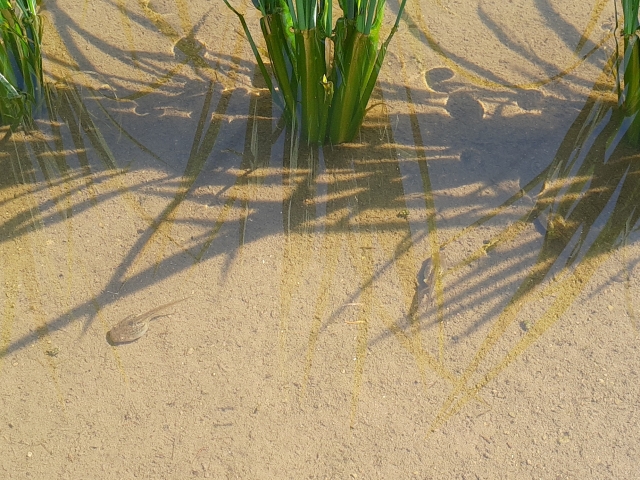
(196, 164)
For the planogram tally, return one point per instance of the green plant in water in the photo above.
(20, 61)
(629, 70)
(328, 71)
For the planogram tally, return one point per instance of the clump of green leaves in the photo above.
(325, 73)
(21, 77)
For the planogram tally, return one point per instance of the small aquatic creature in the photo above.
(426, 281)
(135, 326)
(427, 276)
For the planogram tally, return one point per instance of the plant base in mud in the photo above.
(325, 74)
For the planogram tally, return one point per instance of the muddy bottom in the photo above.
(452, 295)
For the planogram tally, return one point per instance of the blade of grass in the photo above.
(261, 65)
(630, 11)
(281, 61)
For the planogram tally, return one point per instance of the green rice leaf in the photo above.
(311, 66)
(292, 12)
(261, 65)
(282, 62)
(356, 65)
(630, 10)
(326, 20)
(631, 92)
(9, 92)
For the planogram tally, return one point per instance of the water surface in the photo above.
(162, 169)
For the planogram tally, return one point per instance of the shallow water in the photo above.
(307, 348)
